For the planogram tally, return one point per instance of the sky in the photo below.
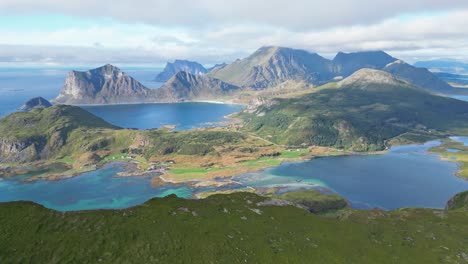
(151, 32)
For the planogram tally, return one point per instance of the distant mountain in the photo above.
(448, 66)
(217, 66)
(185, 86)
(270, 66)
(41, 134)
(418, 76)
(180, 65)
(104, 85)
(36, 102)
(362, 112)
(348, 63)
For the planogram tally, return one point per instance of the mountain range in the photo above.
(109, 85)
(266, 68)
(270, 66)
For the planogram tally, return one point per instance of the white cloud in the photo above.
(233, 32)
(297, 14)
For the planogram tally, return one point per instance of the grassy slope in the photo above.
(224, 229)
(44, 122)
(358, 117)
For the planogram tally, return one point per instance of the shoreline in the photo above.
(146, 103)
(210, 181)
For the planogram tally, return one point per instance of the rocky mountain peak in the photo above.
(106, 84)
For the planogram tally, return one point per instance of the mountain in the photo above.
(42, 132)
(348, 63)
(447, 65)
(418, 76)
(104, 85)
(36, 102)
(185, 86)
(180, 65)
(360, 113)
(271, 66)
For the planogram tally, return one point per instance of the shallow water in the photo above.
(100, 189)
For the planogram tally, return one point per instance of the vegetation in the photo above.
(231, 228)
(456, 152)
(360, 116)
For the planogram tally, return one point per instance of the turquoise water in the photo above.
(183, 115)
(93, 190)
(407, 176)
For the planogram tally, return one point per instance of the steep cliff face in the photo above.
(185, 86)
(21, 150)
(107, 84)
(173, 68)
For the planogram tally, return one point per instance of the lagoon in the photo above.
(406, 176)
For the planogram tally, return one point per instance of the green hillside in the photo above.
(361, 113)
(231, 228)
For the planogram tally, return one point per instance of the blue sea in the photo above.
(18, 85)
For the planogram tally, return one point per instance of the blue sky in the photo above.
(151, 32)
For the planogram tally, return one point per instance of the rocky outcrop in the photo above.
(185, 86)
(104, 85)
(259, 101)
(37, 102)
(171, 69)
(21, 150)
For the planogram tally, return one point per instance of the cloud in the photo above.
(292, 14)
(182, 31)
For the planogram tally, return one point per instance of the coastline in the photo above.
(146, 103)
